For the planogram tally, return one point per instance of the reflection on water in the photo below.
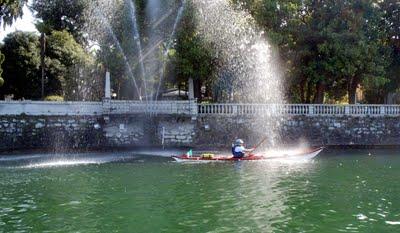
(270, 186)
(340, 191)
(62, 160)
(248, 196)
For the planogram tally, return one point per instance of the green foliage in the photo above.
(194, 58)
(10, 10)
(63, 53)
(116, 61)
(22, 71)
(55, 98)
(21, 65)
(62, 15)
(391, 21)
(124, 65)
(329, 46)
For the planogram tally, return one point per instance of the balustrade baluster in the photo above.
(184, 107)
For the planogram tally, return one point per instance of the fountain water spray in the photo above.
(110, 32)
(136, 35)
(246, 56)
(169, 44)
(151, 60)
(243, 49)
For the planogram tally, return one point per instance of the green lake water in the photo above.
(340, 191)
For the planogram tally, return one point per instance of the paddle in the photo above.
(260, 143)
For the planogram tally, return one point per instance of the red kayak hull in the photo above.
(309, 154)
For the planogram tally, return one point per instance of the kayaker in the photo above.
(238, 149)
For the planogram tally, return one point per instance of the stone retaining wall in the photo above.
(142, 130)
(38, 132)
(314, 130)
(83, 132)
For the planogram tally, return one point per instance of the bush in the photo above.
(55, 98)
(1, 82)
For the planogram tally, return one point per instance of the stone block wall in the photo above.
(39, 132)
(126, 131)
(313, 130)
(142, 130)
(176, 131)
(86, 132)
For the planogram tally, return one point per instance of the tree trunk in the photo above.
(197, 89)
(209, 93)
(309, 90)
(302, 92)
(352, 89)
(320, 92)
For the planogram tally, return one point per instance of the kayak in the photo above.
(304, 155)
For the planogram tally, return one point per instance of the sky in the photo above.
(26, 23)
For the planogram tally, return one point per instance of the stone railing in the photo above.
(298, 109)
(48, 108)
(152, 107)
(189, 108)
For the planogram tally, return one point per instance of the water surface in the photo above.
(340, 191)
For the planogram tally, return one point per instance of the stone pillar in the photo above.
(107, 90)
(107, 95)
(191, 89)
(193, 108)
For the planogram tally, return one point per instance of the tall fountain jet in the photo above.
(248, 61)
(247, 57)
(169, 44)
(162, 17)
(151, 41)
(108, 28)
(137, 38)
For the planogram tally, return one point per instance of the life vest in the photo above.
(236, 154)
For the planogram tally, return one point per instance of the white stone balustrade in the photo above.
(299, 109)
(48, 108)
(189, 107)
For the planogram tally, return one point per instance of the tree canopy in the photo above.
(62, 15)
(22, 64)
(10, 10)
(328, 48)
(194, 57)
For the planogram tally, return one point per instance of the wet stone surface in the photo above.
(28, 132)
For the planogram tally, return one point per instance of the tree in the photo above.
(59, 15)
(391, 22)
(21, 66)
(63, 56)
(10, 10)
(194, 58)
(326, 43)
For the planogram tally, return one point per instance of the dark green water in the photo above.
(340, 191)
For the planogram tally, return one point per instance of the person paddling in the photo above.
(238, 149)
